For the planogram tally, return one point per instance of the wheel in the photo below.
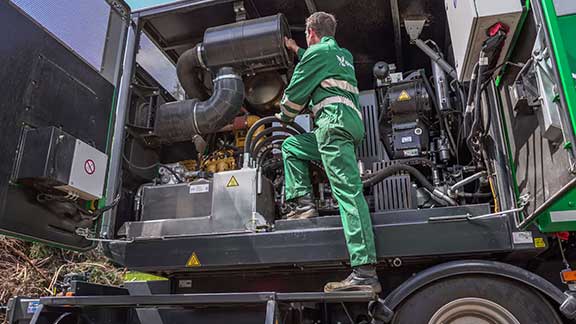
(476, 300)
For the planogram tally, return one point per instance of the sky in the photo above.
(82, 26)
(138, 4)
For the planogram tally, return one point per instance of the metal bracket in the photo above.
(240, 10)
(90, 235)
(414, 28)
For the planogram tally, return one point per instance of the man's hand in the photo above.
(291, 45)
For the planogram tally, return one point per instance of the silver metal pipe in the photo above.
(121, 109)
(468, 180)
(441, 85)
(435, 57)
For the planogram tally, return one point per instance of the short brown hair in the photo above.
(324, 24)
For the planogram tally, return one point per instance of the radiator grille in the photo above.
(371, 149)
(394, 192)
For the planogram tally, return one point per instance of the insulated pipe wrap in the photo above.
(180, 121)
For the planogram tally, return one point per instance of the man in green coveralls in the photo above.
(325, 79)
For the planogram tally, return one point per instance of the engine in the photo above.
(219, 167)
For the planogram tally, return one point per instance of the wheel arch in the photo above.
(383, 309)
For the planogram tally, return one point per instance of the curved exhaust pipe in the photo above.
(189, 65)
(180, 121)
(253, 45)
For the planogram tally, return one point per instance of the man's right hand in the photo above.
(291, 45)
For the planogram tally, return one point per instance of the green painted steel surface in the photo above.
(564, 44)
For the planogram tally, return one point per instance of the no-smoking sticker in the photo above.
(89, 167)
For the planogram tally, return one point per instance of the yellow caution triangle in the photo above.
(193, 261)
(232, 183)
(404, 96)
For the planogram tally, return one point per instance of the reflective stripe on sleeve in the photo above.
(292, 105)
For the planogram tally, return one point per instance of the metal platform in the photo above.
(205, 299)
(320, 241)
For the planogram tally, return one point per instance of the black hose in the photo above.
(188, 67)
(179, 121)
(268, 131)
(264, 121)
(267, 151)
(267, 141)
(394, 169)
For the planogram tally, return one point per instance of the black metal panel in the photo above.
(43, 84)
(398, 234)
(45, 155)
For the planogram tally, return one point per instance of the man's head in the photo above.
(318, 25)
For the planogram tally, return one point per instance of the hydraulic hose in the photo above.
(267, 151)
(420, 178)
(264, 121)
(267, 141)
(179, 121)
(267, 132)
(392, 170)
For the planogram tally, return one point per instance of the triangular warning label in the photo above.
(193, 261)
(232, 182)
(404, 96)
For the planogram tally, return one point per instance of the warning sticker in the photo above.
(89, 167)
(193, 261)
(404, 96)
(539, 242)
(232, 182)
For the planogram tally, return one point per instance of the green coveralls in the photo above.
(325, 77)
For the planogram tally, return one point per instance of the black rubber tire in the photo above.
(525, 303)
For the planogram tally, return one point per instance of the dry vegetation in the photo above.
(31, 269)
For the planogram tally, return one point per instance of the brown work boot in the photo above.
(363, 278)
(305, 209)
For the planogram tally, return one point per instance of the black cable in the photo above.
(173, 173)
(137, 167)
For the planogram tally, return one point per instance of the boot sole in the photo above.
(359, 288)
(305, 215)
